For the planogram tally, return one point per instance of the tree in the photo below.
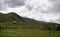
(58, 28)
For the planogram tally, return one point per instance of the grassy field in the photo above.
(25, 31)
(28, 33)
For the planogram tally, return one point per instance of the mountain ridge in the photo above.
(15, 17)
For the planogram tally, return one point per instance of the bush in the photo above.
(58, 28)
(1, 27)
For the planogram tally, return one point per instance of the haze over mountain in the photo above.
(42, 10)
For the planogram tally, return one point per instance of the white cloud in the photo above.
(42, 10)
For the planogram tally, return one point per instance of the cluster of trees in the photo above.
(51, 27)
(42, 27)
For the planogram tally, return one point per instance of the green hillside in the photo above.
(9, 17)
(14, 19)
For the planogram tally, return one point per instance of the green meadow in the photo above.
(26, 31)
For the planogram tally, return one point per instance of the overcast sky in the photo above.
(43, 10)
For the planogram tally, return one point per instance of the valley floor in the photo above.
(28, 33)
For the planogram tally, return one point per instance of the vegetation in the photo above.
(28, 33)
(13, 25)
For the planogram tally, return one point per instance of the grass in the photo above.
(25, 31)
(28, 33)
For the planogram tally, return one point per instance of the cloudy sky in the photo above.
(43, 10)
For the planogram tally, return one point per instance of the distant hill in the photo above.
(14, 17)
(9, 17)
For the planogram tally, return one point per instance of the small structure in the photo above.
(14, 22)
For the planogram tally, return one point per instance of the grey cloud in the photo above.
(2, 5)
(1, 8)
(11, 3)
(15, 3)
(29, 7)
(58, 20)
(56, 6)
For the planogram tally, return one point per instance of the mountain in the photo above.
(56, 21)
(10, 17)
(14, 19)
